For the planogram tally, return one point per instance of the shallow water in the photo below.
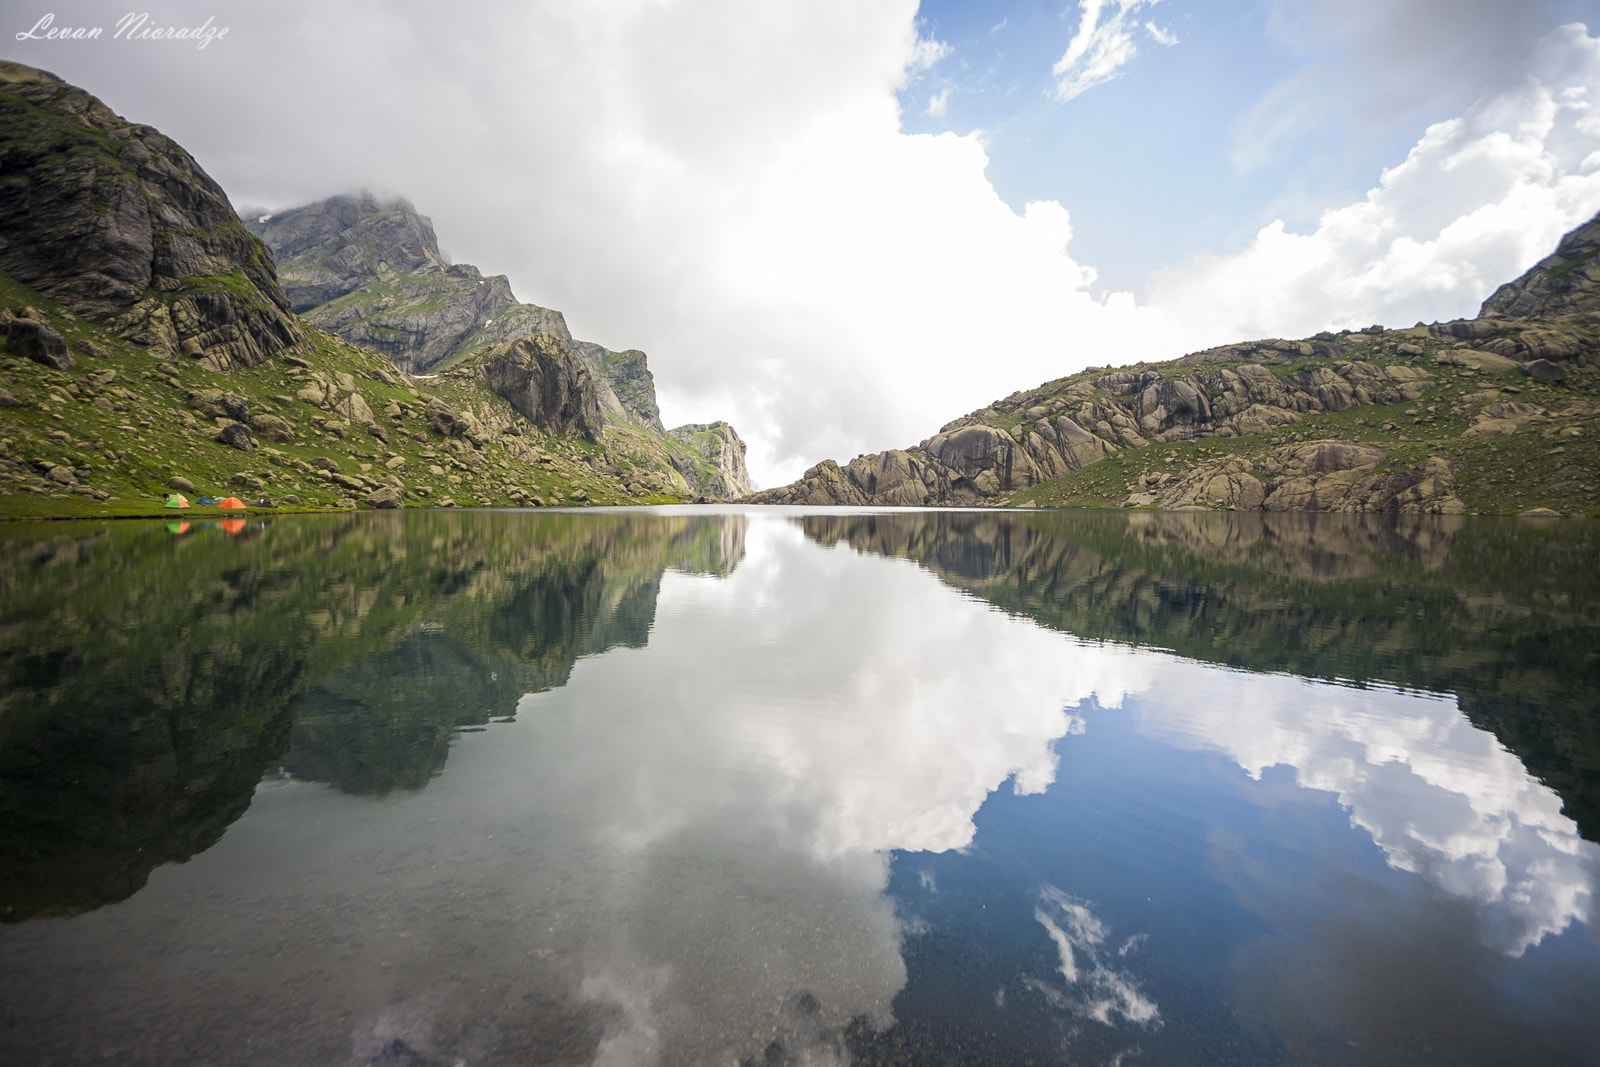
(773, 786)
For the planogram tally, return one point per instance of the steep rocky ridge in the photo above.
(1566, 282)
(120, 225)
(146, 348)
(1427, 419)
(323, 424)
(371, 272)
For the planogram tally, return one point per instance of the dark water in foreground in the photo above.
(781, 787)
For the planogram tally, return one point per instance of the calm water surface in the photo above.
(788, 787)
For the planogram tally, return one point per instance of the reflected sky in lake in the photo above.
(743, 788)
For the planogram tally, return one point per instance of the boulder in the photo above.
(1078, 447)
(237, 435)
(1543, 370)
(973, 451)
(446, 422)
(215, 403)
(272, 428)
(386, 497)
(354, 407)
(1488, 362)
(179, 484)
(38, 342)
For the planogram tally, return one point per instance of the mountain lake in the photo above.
(721, 785)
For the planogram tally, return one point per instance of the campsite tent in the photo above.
(176, 500)
(230, 502)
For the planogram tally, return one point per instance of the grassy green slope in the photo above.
(125, 434)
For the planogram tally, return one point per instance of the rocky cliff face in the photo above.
(1566, 282)
(544, 379)
(121, 225)
(715, 462)
(626, 386)
(1373, 421)
(372, 273)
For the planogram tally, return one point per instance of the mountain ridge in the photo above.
(1425, 419)
(148, 349)
(371, 272)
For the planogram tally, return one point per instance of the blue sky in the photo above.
(756, 195)
(1147, 162)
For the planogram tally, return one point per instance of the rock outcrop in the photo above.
(715, 463)
(545, 380)
(974, 461)
(1567, 282)
(120, 224)
(626, 387)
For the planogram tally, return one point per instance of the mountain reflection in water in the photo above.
(774, 787)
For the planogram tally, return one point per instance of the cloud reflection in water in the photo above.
(746, 775)
(1441, 798)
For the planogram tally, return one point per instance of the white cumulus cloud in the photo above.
(1475, 202)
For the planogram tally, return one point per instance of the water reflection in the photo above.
(147, 682)
(1439, 796)
(692, 788)
(1503, 614)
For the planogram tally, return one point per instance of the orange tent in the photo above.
(231, 502)
(233, 526)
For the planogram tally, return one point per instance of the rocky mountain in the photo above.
(1494, 414)
(1567, 282)
(121, 226)
(715, 459)
(371, 272)
(148, 347)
